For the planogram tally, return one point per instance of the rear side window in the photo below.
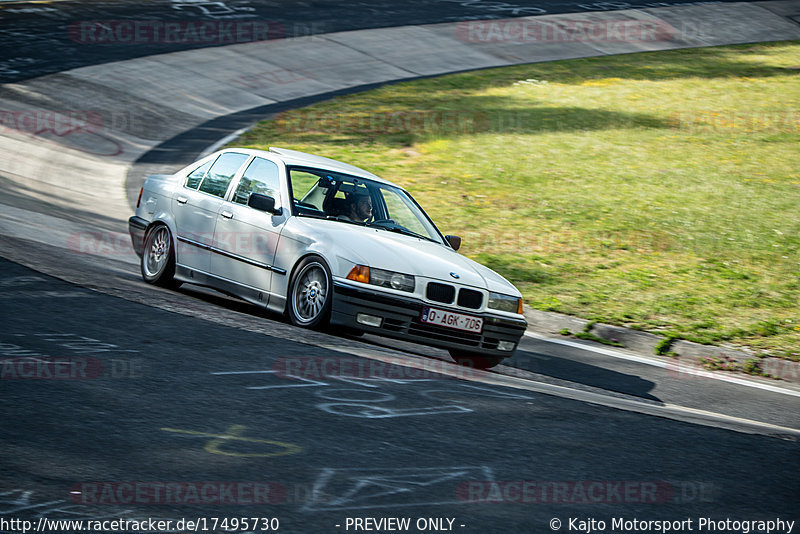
(219, 176)
(196, 176)
(260, 177)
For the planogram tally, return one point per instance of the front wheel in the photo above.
(158, 259)
(476, 361)
(310, 294)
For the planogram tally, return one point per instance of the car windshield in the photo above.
(352, 200)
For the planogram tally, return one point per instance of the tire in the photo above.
(310, 294)
(476, 361)
(158, 258)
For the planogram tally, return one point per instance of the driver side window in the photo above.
(308, 196)
(302, 185)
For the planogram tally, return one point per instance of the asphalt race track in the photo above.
(156, 396)
(127, 404)
(90, 32)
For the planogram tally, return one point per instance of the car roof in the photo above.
(302, 159)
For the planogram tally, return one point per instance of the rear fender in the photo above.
(164, 218)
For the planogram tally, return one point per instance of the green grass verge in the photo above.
(659, 191)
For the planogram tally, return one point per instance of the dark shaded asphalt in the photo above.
(146, 404)
(38, 38)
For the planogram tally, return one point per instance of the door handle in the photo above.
(227, 214)
(182, 200)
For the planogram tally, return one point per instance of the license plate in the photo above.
(452, 320)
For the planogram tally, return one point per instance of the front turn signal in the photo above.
(359, 273)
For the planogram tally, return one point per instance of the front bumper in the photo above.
(137, 227)
(402, 320)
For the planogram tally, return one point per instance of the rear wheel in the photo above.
(158, 259)
(476, 361)
(310, 294)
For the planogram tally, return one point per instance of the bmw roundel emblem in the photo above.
(455, 275)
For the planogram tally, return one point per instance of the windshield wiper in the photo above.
(400, 230)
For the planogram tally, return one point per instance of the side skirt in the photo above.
(253, 295)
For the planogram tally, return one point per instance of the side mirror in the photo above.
(454, 241)
(260, 202)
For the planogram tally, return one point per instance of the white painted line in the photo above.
(669, 411)
(222, 142)
(599, 350)
(666, 365)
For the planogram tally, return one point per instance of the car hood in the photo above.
(410, 255)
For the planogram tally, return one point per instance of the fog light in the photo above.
(369, 320)
(506, 345)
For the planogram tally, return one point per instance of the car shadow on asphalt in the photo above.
(560, 369)
(564, 368)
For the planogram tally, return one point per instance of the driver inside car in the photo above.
(360, 208)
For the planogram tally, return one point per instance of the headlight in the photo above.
(505, 303)
(381, 277)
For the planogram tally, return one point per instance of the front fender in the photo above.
(296, 243)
